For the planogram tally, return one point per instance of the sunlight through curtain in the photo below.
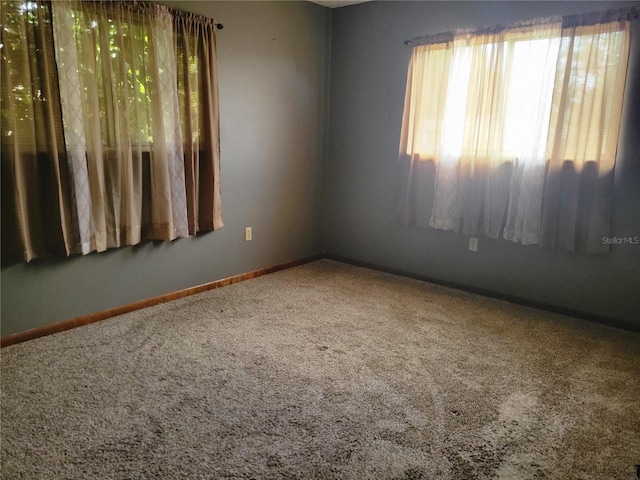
(583, 138)
(487, 112)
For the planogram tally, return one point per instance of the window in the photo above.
(110, 125)
(104, 43)
(503, 114)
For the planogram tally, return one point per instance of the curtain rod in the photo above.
(589, 18)
(202, 18)
(146, 4)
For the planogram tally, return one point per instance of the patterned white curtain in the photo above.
(118, 92)
(72, 106)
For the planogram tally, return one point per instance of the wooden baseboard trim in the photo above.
(608, 321)
(98, 316)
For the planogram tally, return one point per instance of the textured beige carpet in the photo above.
(325, 371)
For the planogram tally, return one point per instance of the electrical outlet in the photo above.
(248, 234)
(473, 244)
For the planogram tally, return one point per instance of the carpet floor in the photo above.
(325, 371)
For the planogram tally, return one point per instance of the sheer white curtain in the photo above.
(529, 93)
(445, 214)
(491, 155)
(117, 71)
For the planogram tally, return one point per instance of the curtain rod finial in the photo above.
(219, 26)
(407, 42)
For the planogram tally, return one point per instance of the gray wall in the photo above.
(278, 155)
(368, 73)
(273, 71)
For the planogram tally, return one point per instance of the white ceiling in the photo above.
(337, 3)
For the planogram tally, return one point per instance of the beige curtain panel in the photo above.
(583, 135)
(196, 46)
(131, 97)
(36, 212)
(511, 132)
